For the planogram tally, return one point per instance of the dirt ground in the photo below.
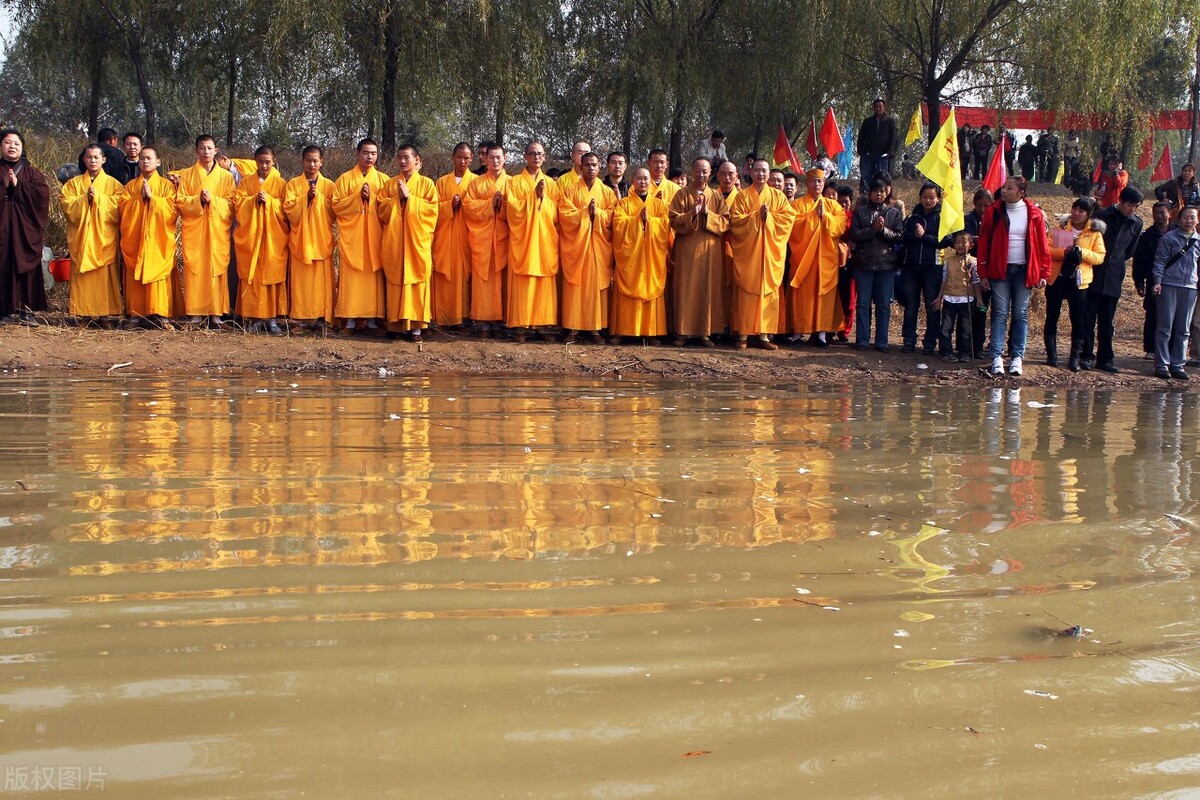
(57, 349)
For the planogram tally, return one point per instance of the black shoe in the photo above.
(1074, 364)
(1086, 364)
(1163, 373)
(928, 351)
(1109, 368)
(883, 348)
(908, 348)
(1179, 374)
(862, 347)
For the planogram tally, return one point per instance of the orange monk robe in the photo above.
(92, 233)
(728, 259)
(698, 279)
(639, 308)
(665, 191)
(408, 249)
(260, 241)
(568, 181)
(245, 167)
(487, 236)
(310, 248)
(532, 252)
(360, 236)
(587, 255)
(148, 247)
(205, 239)
(814, 242)
(759, 255)
(451, 253)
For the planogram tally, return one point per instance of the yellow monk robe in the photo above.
(759, 256)
(360, 235)
(568, 181)
(206, 239)
(245, 167)
(407, 249)
(665, 191)
(148, 247)
(310, 248)
(532, 252)
(639, 308)
(261, 243)
(487, 234)
(733, 193)
(451, 253)
(92, 233)
(814, 297)
(698, 277)
(587, 255)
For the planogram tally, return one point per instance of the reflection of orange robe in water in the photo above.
(759, 254)
(639, 308)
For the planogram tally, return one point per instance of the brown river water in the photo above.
(461, 588)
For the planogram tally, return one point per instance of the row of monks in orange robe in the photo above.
(524, 251)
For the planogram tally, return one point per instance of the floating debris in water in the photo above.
(1036, 404)
(1036, 693)
(922, 366)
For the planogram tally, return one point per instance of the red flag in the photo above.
(1096, 173)
(831, 137)
(810, 144)
(1164, 171)
(784, 155)
(997, 174)
(1147, 155)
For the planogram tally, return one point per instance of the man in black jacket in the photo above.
(877, 143)
(113, 157)
(1143, 269)
(1123, 228)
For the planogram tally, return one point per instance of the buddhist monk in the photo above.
(820, 222)
(660, 186)
(91, 203)
(360, 298)
(699, 218)
(760, 221)
(451, 249)
(641, 234)
(776, 180)
(487, 234)
(727, 179)
(532, 209)
(568, 179)
(148, 216)
(308, 204)
(204, 194)
(261, 243)
(585, 214)
(24, 210)
(408, 209)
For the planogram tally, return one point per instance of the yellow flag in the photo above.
(1062, 168)
(914, 127)
(941, 165)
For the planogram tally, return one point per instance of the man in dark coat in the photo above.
(877, 143)
(1123, 228)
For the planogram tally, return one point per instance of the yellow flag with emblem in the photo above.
(941, 165)
(914, 127)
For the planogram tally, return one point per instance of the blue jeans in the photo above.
(868, 165)
(1010, 296)
(873, 287)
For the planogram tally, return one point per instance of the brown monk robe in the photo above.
(700, 219)
(24, 207)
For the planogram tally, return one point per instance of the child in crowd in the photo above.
(959, 294)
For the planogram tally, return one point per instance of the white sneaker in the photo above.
(997, 366)
(1015, 367)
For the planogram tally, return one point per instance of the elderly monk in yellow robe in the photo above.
(260, 241)
(408, 208)
(91, 203)
(820, 223)
(641, 239)
(360, 299)
(148, 217)
(451, 249)
(308, 204)
(727, 185)
(487, 234)
(760, 221)
(204, 194)
(532, 209)
(569, 180)
(699, 218)
(585, 214)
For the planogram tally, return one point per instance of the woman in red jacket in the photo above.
(1014, 258)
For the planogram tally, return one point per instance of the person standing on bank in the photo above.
(1076, 246)
(1123, 227)
(875, 228)
(1174, 279)
(877, 143)
(24, 208)
(1014, 258)
(921, 274)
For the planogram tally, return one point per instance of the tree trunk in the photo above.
(627, 125)
(94, 100)
(501, 113)
(143, 82)
(1195, 128)
(758, 132)
(229, 110)
(933, 99)
(676, 148)
(391, 63)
